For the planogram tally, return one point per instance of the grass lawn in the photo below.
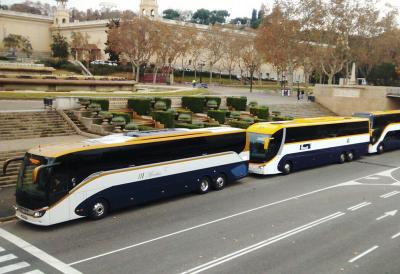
(38, 96)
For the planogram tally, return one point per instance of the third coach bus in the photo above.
(385, 130)
(283, 147)
(90, 178)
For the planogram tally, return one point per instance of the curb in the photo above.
(7, 219)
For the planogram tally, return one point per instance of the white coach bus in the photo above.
(283, 147)
(385, 130)
(90, 178)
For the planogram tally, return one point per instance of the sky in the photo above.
(237, 8)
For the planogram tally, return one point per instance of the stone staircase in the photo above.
(75, 120)
(13, 168)
(27, 125)
(302, 110)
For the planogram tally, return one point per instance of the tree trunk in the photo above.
(137, 74)
(290, 75)
(195, 74)
(330, 78)
(230, 77)
(133, 71)
(211, 73)
(155, 75)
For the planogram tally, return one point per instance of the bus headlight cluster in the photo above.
(39, 214)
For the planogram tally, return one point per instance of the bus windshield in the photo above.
(30, 186)
(258, 153)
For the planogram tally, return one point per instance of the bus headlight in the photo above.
(39, 214)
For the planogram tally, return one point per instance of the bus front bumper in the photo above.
(40, 217)
(262, 169)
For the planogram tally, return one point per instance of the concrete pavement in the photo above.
(323, 220)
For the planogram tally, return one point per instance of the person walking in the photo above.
(194, 82)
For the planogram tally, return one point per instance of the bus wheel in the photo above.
(342, 158)
(99, 209)
(204, 186)
(381, 149)
(220, 182)
(287, 168)
(350, 156)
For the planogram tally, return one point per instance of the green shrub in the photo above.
(253, 104)
(94, 107)
(104, 103)
(126, 116)
(198, 123)
(106, 115)
(215, 124)
(218, 115)
(260, 112)
(276, 113)
(131, 126)
(160, 105)
(212, 104)
(185, 117)
(237, 103)
(235, 115)
(282, 118)
(167, 101)
(248, 119)
(194, 104)
(118, 120)
(257, 120)
(145, 128)
(214, 98)
(142, 106)
(166, 118)
(240, 124)
(187, 125)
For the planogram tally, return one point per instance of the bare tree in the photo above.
(214, 38)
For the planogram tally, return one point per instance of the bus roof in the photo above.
(126, 139)
(272, 127)
(380, 113)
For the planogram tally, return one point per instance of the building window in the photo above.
(152, 13)
(144, 12)
(64, 20)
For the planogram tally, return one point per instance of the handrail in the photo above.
(8, 162)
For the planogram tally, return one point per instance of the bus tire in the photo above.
(99, 209)
(287, 168)
(342, 158)
(350, 156)
(381, 148)
(219, 182)
(204, 185)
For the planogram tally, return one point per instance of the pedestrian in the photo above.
(194, 82)
(302, 95)
(298, 94)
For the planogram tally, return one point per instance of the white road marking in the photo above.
(396, 235)
(390, 194)
(13, 267)
(1, 249)
(348, 183)
(387, 214)
(7, 257)
(255, 247)
(372, 178)
(34, 272)
(363, 254)
(38, 253)
(359, 206)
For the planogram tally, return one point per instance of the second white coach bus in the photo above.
(90, 178)
(385, 130)
(283, 147)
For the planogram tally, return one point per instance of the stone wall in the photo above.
(346, 100)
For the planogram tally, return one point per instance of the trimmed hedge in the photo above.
(186, 125)
(104, 103)
(237, 103)
(260, 112)
(279, 118)
(240, 124)
(124, 115)
(217, 99)
(194, 104)
(217, 115)
(142, 106)
(211, 124)
(166, 118)
(167, 101)
(145, 128)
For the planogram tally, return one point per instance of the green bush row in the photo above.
(142, 106)
(167, 101)
(194, 104)
(124, 115)
(167, 118)
(260, 112)
(104, 103)
(217, 115)
(237, 103)
(240, 124)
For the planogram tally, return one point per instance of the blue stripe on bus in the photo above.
(309, 159)
(141, 192)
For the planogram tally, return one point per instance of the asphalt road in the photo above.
(334, 219)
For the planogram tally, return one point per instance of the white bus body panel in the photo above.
(392, 127)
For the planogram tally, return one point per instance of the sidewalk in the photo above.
(7, 201)
(25, 144)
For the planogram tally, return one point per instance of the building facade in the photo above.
(39, 30)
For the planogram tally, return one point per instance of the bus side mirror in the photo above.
(266, 142)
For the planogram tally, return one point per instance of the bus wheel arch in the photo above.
(99, 209)
(220, 181)
(381, 148)
(287, 167)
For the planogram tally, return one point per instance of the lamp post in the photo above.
(252, 67)
(202, 64)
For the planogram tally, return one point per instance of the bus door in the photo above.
(58, 189)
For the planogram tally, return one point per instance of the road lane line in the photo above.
(391, 194)
(348, 183)
(1, 249)
(255, 247)
(38, 253)
(7, 257)
(395, 236)
(13, 267)
(34, 272)
(357, 207)
(363, 254)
